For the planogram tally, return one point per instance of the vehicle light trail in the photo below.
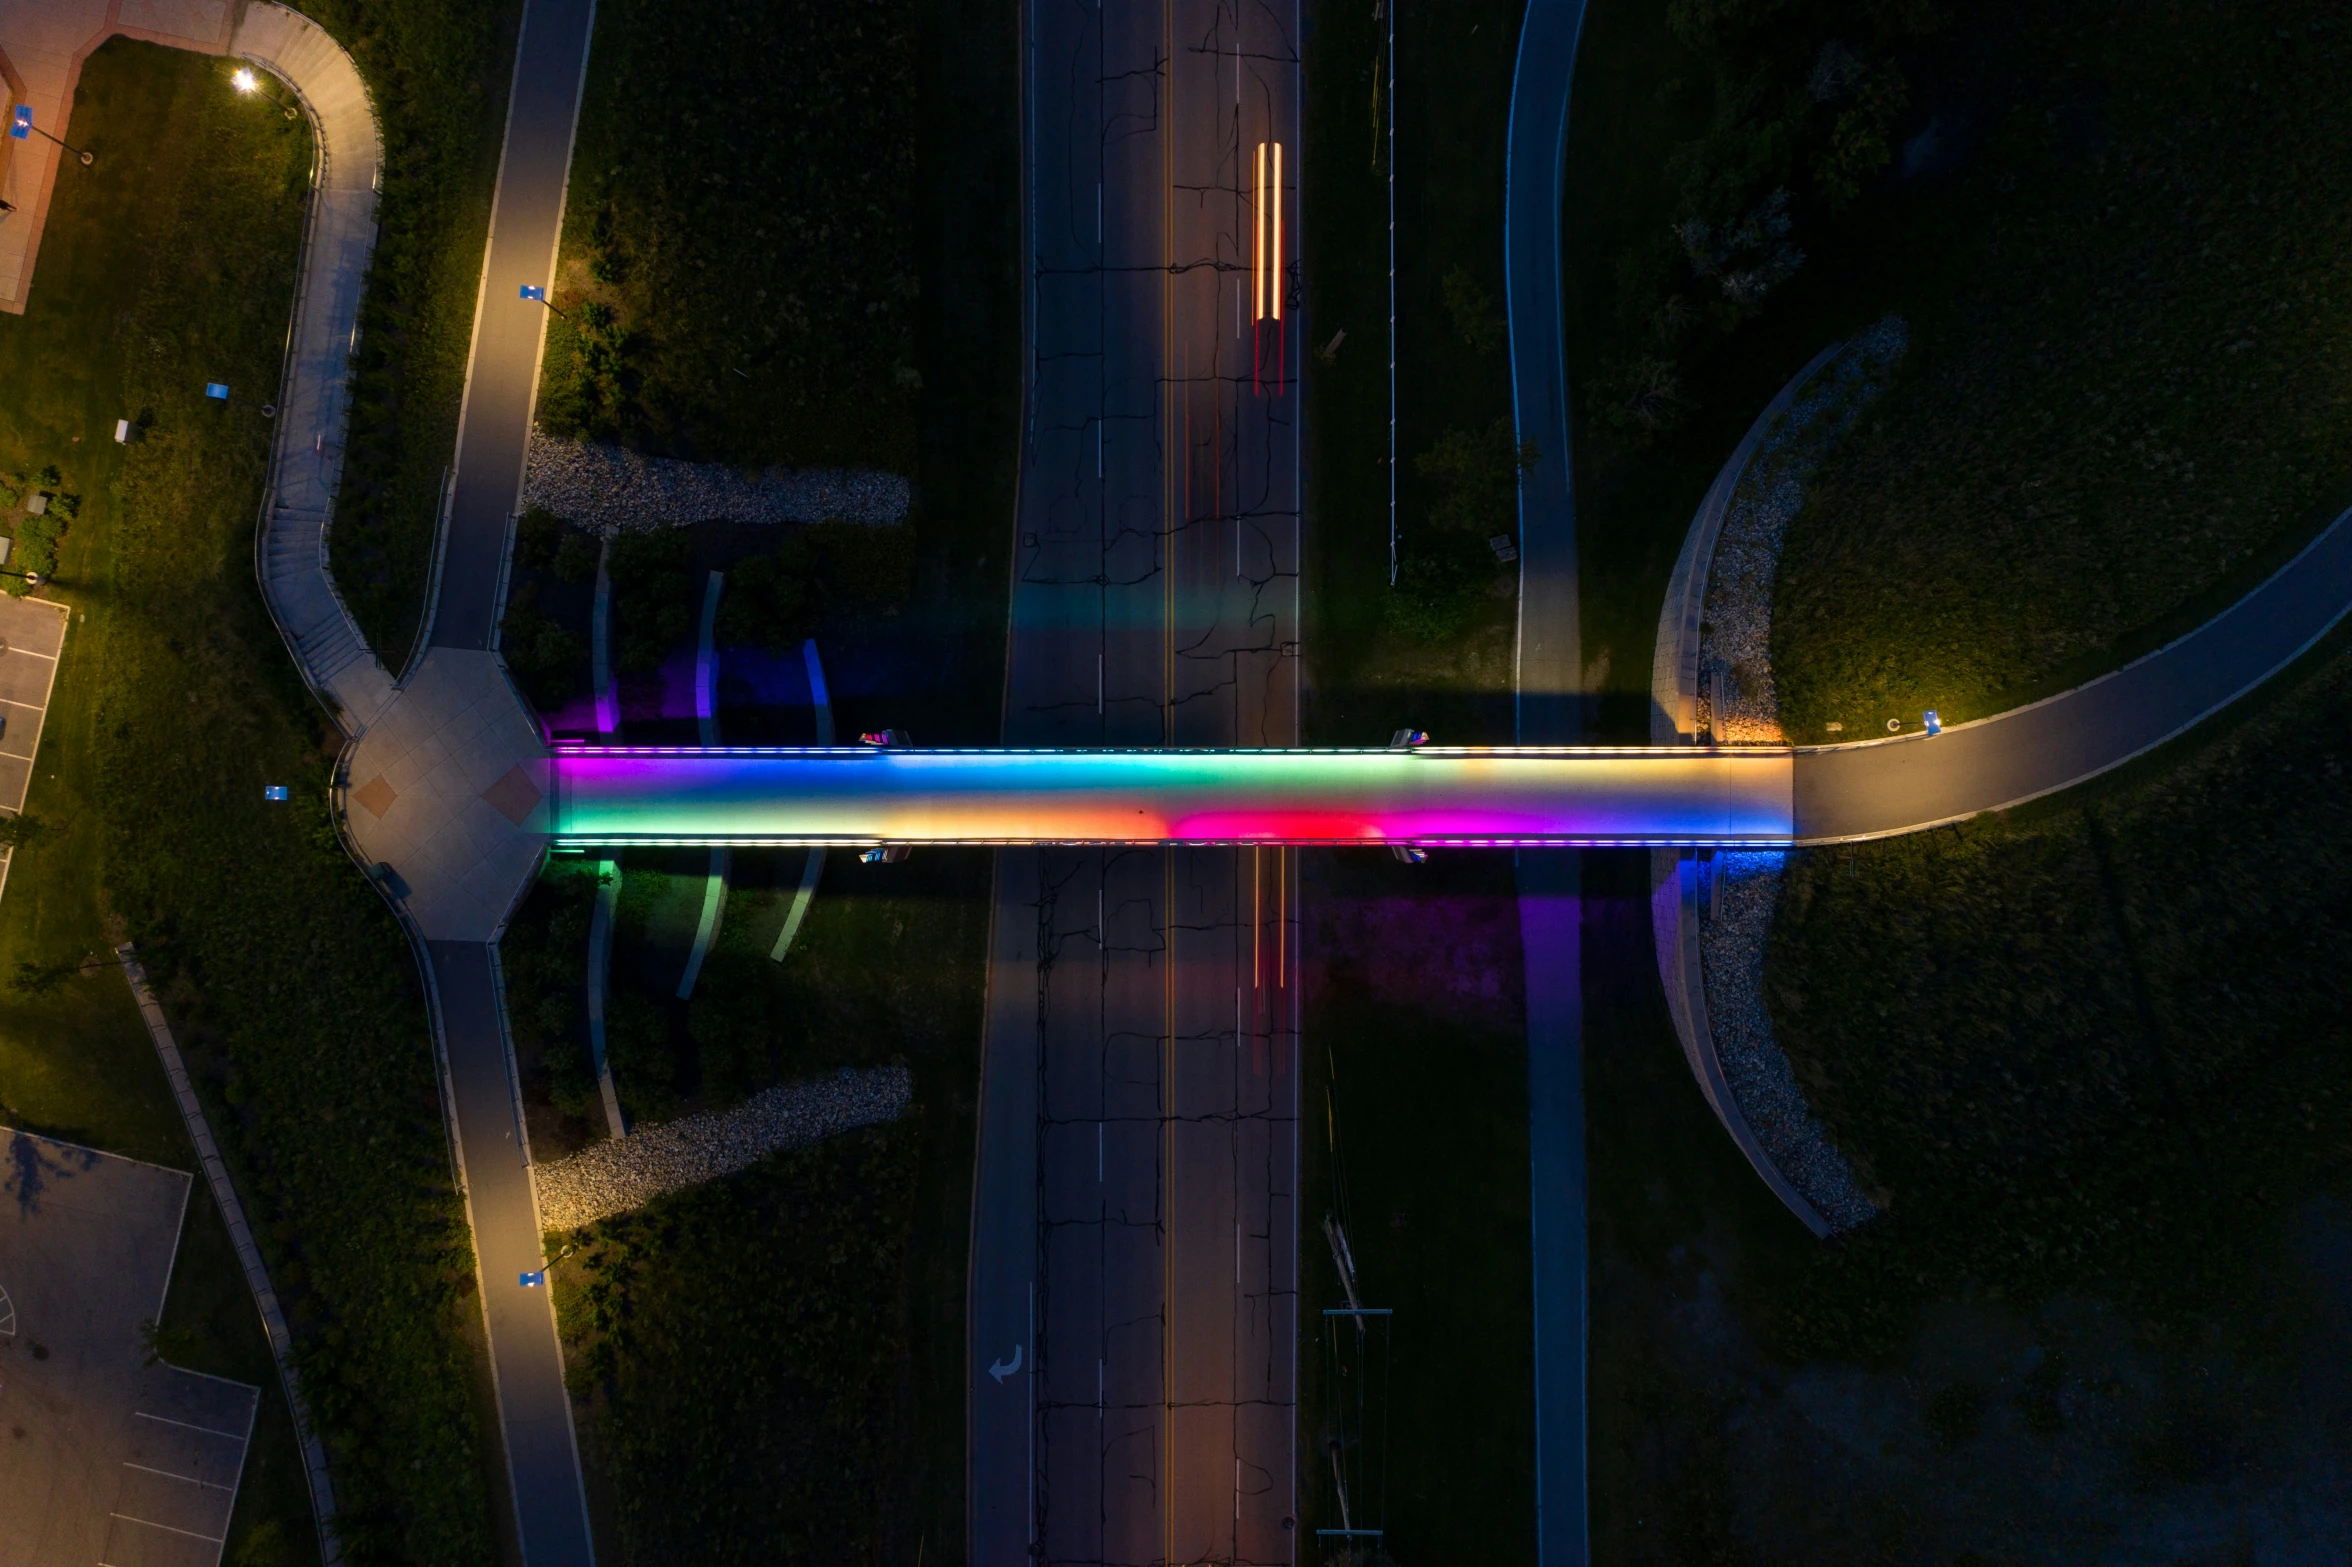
(608, 796)
(1266, 270)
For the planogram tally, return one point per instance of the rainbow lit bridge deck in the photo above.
(604, 796)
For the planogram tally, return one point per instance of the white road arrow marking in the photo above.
(1000, 1369)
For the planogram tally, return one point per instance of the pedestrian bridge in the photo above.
(1432, 796)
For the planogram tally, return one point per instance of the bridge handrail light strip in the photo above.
(567, 747)
(1455, 796)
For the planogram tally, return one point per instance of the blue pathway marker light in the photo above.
(534, 291)
(20, 125)
(532, 1281)
(217, 391)
(276, 792)
(1935, 725)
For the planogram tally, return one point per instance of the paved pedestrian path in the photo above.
(1548, 675)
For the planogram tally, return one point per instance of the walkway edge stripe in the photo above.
(232, 1208)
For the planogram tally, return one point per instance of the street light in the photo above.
(246, 82)
(21, 125)
(33, 579)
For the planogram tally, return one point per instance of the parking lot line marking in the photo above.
(183, 1425)
(34, 652)
(209, 1485)
(166, 1528)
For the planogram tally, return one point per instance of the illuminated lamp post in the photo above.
(246, 82)
(21, 126)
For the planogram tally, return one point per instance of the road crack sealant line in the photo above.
(249, 1258)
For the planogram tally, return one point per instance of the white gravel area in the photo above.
(1735, 634)
(628, 1172)
(1732, 937)
(610, 489)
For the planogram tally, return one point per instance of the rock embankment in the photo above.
(628, 1172)
(1738, 702)
(1746, 890)
(610, 489)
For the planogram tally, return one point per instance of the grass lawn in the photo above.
(739, 1355)
(438, 73)
(169, 264)
(888, 967)
(740, 273)
(2076, 1046)
(1416, 1141)
(889, 964)
(2126, 399)
(1448, 670)
(2083, 1051)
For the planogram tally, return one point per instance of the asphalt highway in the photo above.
(1134, 1266)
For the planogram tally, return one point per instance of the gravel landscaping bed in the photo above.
(1735, 636)
(611, 489)
(628, 1172)
(1731, 958)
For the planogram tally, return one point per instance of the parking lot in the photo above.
(32, 635)
(106, 1458)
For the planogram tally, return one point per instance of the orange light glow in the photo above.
(1258, 239)
(1274, 272)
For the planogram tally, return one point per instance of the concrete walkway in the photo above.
(306, 466)
(443, 790)
(42, 46)
(1549, 676)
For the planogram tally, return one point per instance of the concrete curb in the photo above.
(224, 1193)
(1674, 703)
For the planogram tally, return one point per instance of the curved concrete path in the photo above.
(1881, 788)
(42, 50)
(1549, 674)
(43, 45)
